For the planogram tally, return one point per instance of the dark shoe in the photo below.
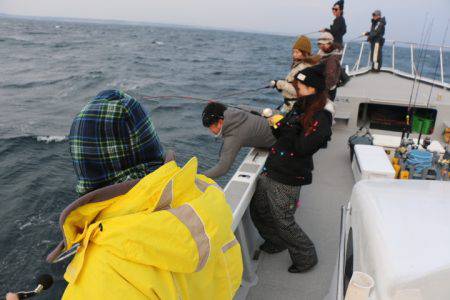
(344, 78)
(270, 248)
(300, 269)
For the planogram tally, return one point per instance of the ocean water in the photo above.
(49, 71)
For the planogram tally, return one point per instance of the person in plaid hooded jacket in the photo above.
(113, 140)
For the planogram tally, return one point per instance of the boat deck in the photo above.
(319, 216)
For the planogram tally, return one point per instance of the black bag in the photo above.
(358, 139)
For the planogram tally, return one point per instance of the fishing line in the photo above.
(205, 100)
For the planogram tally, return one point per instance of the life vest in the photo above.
(169, 237)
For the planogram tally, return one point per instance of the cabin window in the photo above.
(393, 117)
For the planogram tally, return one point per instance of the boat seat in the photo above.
(342, 115)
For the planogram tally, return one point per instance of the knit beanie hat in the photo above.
(325, 38)
(313, 77)
(303, 43)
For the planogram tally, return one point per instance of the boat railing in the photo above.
(425, 63)
(239, 192)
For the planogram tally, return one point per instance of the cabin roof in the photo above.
(406, 226)
(385, 87)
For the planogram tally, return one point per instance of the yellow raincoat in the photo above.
(169, 237)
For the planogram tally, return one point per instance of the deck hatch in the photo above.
(249, 168)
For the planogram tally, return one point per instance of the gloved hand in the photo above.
(274, 84)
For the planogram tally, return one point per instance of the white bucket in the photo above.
(359, 286)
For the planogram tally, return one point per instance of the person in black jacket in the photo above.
(338, 29)
(376, 39)
(300, 134)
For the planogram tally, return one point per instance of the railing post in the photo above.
(393, 57)
(441, 58)
(359, 57)
(343, 53)
(368, 59)
(412, 59)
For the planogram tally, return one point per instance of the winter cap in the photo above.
(376, 13)
(325, 38)
(303, 43)
(340, 3)
(313, 77)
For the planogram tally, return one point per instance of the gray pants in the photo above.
(272, 210)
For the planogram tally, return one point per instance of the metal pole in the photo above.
(442, 65)
(393, 57)
(412, 59)
(343, 53)
(360, 54)
(368, 59)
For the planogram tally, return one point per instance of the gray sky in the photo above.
(405, 19)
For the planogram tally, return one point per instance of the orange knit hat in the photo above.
(303, 43)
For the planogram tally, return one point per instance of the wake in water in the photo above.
(51, 139)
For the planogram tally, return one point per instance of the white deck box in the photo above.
(371, 162)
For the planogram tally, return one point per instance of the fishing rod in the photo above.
(355, 38)
(43, 282)
(408, 113)
(244, 92)
(424, 47)
(434, 79)
(422, 38)
(309, 33)
(422, 59)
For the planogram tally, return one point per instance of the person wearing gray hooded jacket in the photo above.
(237, 128)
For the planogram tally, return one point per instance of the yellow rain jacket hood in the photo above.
(169, 237)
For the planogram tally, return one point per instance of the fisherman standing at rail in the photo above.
(238, 128)
(338, 30)
(376, 39)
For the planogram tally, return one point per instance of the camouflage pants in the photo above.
(272, 209)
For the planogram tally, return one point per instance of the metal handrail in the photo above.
(414, 74)
(414, 43)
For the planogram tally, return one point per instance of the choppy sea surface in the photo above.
(49, 71)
